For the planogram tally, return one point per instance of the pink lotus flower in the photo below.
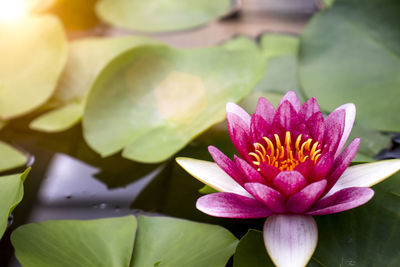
(291, 166)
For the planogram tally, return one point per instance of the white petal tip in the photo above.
(290, 240)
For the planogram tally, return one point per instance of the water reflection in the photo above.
(70, 192)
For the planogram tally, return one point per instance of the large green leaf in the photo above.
(86, 58)
(72, 243)
(32, 58)
(280, 51)
(169, 242)
(351, 53)
(10, 157)
(153, 100)
(11, 192)
(160, 15)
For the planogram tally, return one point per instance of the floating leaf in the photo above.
(87, 57)
(75, 14)
(10, 158)
(161, 15)
(32, 58)
(169, 242)
(280, 51)
(72, 243)
(153, 100)
(251, 251)
(11, 192)
(351, 53)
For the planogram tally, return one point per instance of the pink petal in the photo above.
(233, 109)
(350, 110)
(274, 200)
(293, 99)
(226, 164)
(316, 126)
(322, 168)
(290, 239)
(305, 168)
(309, 108)
(342, 162)
(268, 172)
(289, 182)
(286, 116)
(265, 110)
(342, 200)
(366, 175)
(304, 199)
(229, 205)
(241, 140)
(251, 174)
(334, 126)
(258, 128)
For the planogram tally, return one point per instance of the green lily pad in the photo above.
(280, 51)
(73, 243)
(153, 100)
(351, 53)
(86, 59)
(30, 66)
(169, 242)
(251, 251)
(161, 15)
(10, 157)
(11, 193)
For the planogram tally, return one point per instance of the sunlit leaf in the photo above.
(169, 242)
(10, 158)
(75, 14)
(154, 99)
(161, 15)
(351, 53)
(32, 58)
(11, 192)
(72, 243)
(86, 58)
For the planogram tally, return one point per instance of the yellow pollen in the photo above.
(283, 155)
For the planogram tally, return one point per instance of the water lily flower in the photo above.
(291, 166)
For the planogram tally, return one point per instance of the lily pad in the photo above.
(10, 157)
(86, 59)
(160, 15)
(30, 66)
(11, 193)
(153, 100)
(280, 51)
(251, 251)
(72, 243)
(169, 242)
(351, 53)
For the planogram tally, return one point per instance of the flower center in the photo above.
(285, 157)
